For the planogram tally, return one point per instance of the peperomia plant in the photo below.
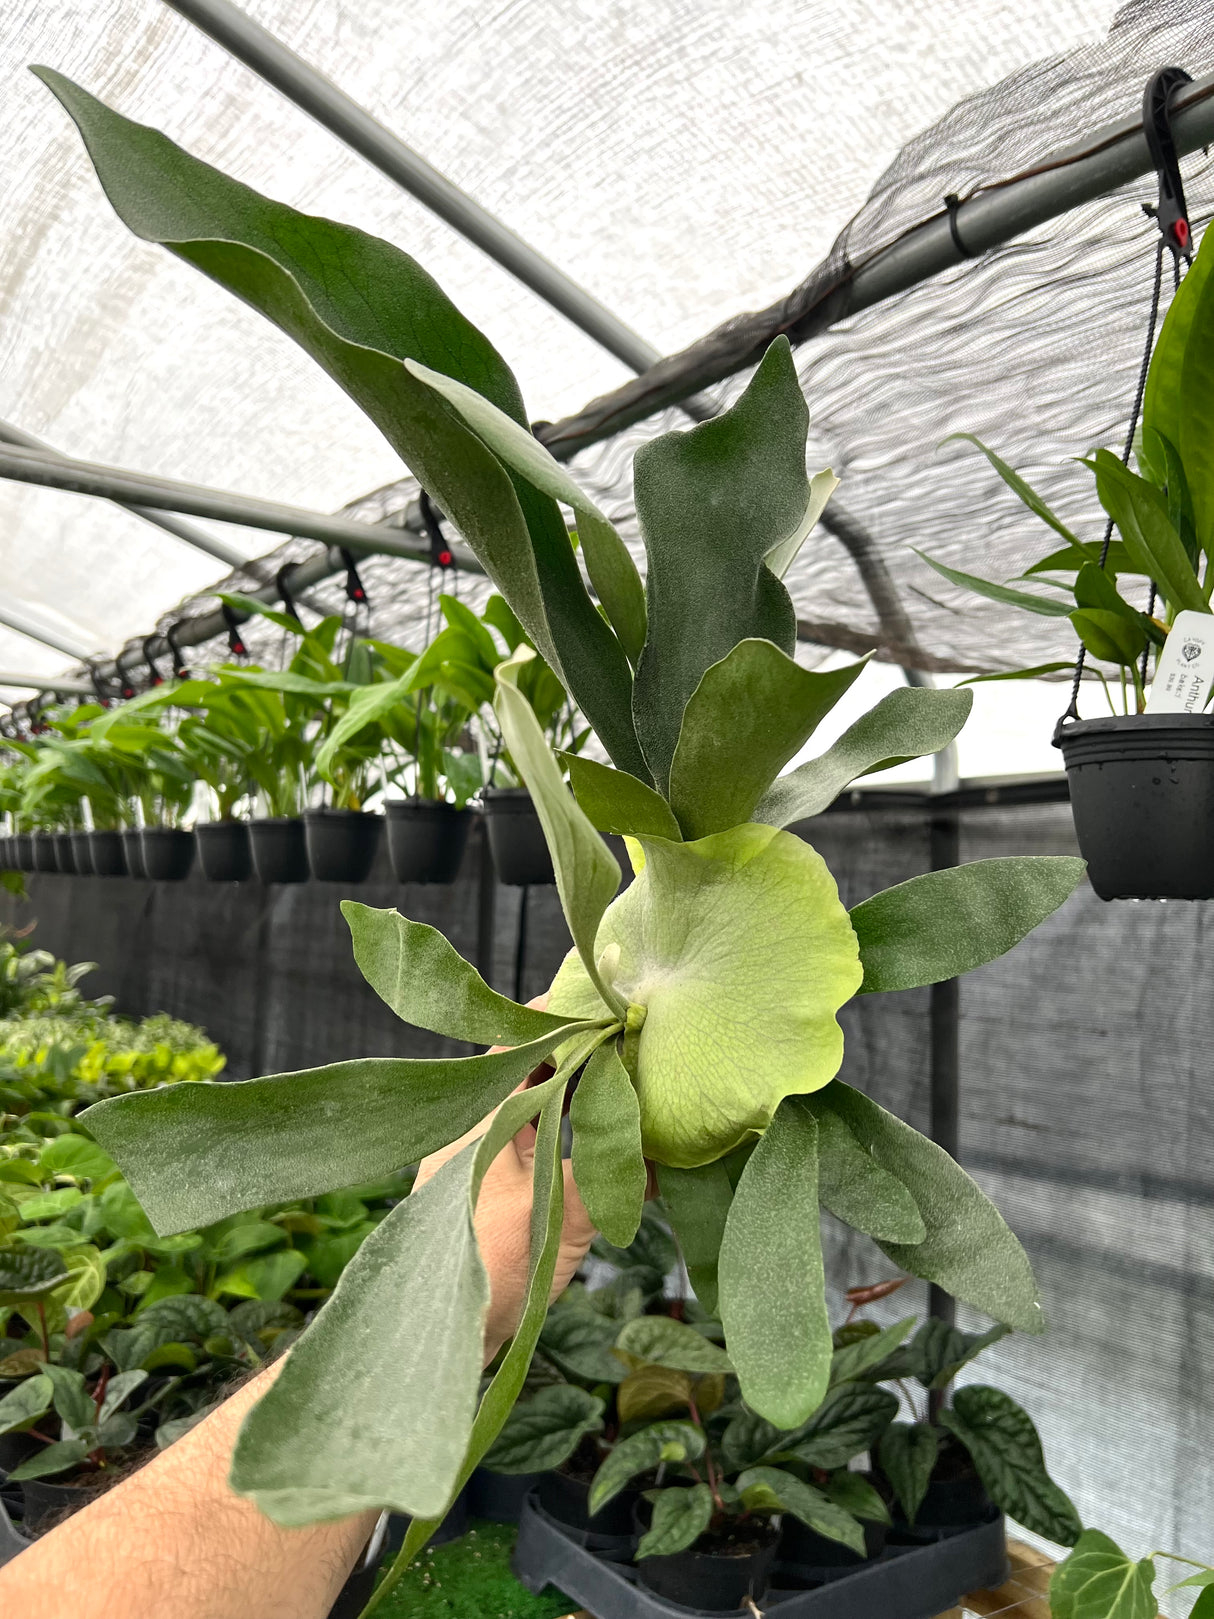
(697, 1011)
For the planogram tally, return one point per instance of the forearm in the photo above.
(173, 1541)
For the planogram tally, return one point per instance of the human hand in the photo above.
(503, 1223)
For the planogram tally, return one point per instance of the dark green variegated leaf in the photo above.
(854, 1187)
(662, 1341)
(946, 923)
(908, 1452)
(640, 1452)
(587, 874)
(578, 1342)
(747, 1439)
(969, 1250)
(940, 1350)
(856, 1495)
(1098, 1581)
(749, 715)
(30, 1399)
(617, 802)
(772, 1299)
(375, 1405)
(195, 1153)
(608, 1166)
(854, 1360)
(713, 504)
(27, 1273)
(771, 1489)
(680, 1517)
(60, 1457)
(697, 1201)
(1006, 1450)
(904, 725)
(654, 1391)
(426, 982)
(544, 1431)
(847, 1422)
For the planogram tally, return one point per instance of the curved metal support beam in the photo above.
(14, 619)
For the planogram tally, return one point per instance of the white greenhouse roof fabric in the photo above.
(684, 160)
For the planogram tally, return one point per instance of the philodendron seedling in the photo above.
(698, 1010)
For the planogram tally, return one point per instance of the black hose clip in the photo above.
(1171, 213)
(180, 672)
(283, 587)
(355, 589)
(155, 678)
(236, 644)
(440, 552)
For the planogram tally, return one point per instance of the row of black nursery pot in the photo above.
(426, 843)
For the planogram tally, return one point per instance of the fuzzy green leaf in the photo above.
(612, 570)
(904, 725)
(749, 715)
(587, 874)
(771, 1489)
(680, 1517)
(1006, 1450)
(608, 1166)
(857, 1190)
(658, 1340)
(853, 1360)
(639, 1452)
(544, 1431)
(697, 1203)
(969, 1250)
(773, 1306)
(946, 923)
(908, 1452)
(1098, 1581)
(617, 802)
(713, 504)
(376, 1402)
(740, 953)
(426, 982)
(847, 1422)
(196, 1153)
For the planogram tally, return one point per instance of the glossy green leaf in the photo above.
(50, 1205)
(680, 1517)
(85, 1281)
(28, 1273)
(713, 504)
(1180, 364)
(772, 1489)
(76, 1156)
(1044, 606)
(773, 1306)
(1072, 557)
(908, 1452)
(587, 874)
(940, 1350)
(265, 1276)
(426, 982)
(612, 570)
(1018, 674)
(1196, 416)
(749, 1438)
(853, 1360)
(608, 1166)
(60, 1457)
(740, 953)
(642, 1451)
(367, 706)
(906, 724)
(749, 715)
(856, 1495)
(360, 306)
(29, 1400)
(697, 1202)
(617, 802)
(1006, 1450)
(857, 1190)
(1023, 491)
(1110, 637)
(659, 1340)
(195, 1153)
(654, 1391)
(848, 1421)
(1098, 1581)
(1141, 514)
(579, 1342)
(969, 1250)
(376, 1402)
(544, 1431)
(946, 923)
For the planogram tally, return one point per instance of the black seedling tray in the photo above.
(905, 1582)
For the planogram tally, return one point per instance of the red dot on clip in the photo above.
(1182, 232)
(444, 559)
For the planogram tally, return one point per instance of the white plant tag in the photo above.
(1186, 666)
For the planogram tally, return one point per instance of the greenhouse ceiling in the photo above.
(682, 161)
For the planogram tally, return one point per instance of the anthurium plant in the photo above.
(1099, 1581)
(697, 1011)
(1163, 514)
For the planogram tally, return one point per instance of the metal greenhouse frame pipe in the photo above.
(67, 685)
(279, 66)
(14, 619)
(175, 526)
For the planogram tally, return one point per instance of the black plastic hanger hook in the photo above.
(1171, 213)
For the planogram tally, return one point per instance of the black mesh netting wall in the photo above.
(1086, 1106)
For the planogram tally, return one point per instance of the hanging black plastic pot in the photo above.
(65, 855)
(108, 854)
(132, 848)
(516, 838)
(342, 843)
(1142, 794)
(280, 850)
(168, 853)
(716, 1580)
(360, 1583)
(224, 851)
(426, 839)
(82, 853)
(44, 851)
